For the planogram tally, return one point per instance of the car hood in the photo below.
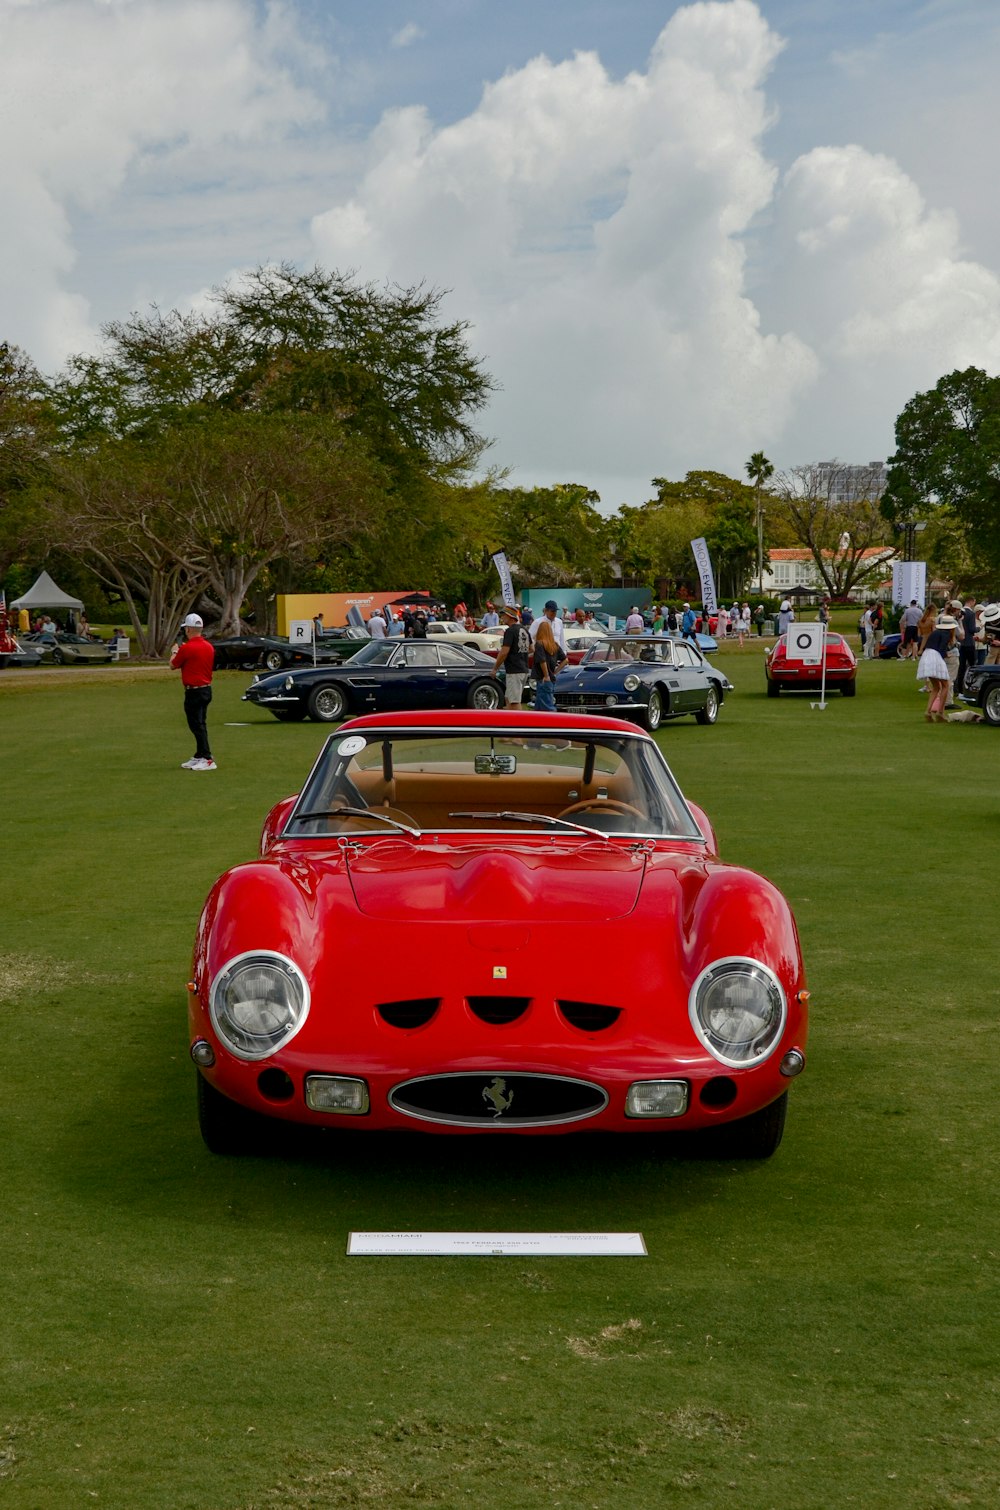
(395, 881)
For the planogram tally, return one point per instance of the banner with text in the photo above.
(909, 582)
(503, 572)
(704, 564)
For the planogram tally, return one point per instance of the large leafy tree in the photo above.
(554, 536)
(280, 340)
(302, 422)
(947, 461)
(835, 512)
(703, 503)
(197, 514)
(25, 439)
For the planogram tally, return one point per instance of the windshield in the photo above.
(478, 781)
(375, 653)
(623, 649)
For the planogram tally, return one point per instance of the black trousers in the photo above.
(196, 701)
(966, 658)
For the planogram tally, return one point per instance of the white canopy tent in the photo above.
(45, 594)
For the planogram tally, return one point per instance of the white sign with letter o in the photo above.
(804, 642)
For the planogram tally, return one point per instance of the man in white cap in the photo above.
(194, 658)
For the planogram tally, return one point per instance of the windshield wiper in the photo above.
(355, 812)
(580, 828)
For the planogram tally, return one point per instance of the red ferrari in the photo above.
(495, 924)
(788, 673)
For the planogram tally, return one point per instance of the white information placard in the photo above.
(496, 1244)
(804, 642)
(300, 631)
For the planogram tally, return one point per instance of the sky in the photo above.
(679, 233)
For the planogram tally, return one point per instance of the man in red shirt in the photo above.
(194, 658)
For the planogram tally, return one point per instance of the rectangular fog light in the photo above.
(337, 1093)
(657, 1098)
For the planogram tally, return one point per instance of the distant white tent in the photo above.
(45, 594)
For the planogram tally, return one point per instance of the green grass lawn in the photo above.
(185, 1331)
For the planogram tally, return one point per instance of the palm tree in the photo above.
(759, 469)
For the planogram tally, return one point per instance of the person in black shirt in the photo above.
(513, 654)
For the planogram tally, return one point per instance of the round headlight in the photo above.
(737, 1009)
(630, 683)
(258, 1002)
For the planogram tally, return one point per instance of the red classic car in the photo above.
(495, 924)
(786, 672)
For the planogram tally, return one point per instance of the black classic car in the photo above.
(244, 652)
(384, 676)
(982, 690)
(644, 678)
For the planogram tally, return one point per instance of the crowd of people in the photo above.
(945, 644)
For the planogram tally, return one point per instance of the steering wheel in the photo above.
(605, 804)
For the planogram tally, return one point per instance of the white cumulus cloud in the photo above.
(596, 232)
(93, 90)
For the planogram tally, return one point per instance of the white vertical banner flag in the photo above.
(503, 572)
(909, 581)
(804, 642)
(704, 564)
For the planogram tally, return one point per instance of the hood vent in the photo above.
(499, 1009)
(409, 1014)
(589, 1016)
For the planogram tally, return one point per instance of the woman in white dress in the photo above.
(936, 640)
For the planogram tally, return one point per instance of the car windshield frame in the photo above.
(627, 760)
(625, 651)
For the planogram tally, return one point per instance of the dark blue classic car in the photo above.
(645, 678)
(384, 677)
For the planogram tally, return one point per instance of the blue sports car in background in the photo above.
(643, 678)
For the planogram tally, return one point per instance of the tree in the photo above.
(197, 514)
(279, 340)
(303, 418)
(704, 503)
(25, 436)
(759, 470)
(947, 459)
(553, 536)
(835, 513)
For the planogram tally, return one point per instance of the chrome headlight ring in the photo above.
(258, 1001)
(738, 1011)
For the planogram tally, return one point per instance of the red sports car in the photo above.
(786, 672)
(495, 924)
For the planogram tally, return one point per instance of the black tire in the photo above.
(274, 660)
(327, 704)
(755, 1137)
(710, 712)
(289, 715)
(991, 704)
(483, 695)
(651, 715)
(773, 688)
(58, 659)
(849, 689)
(225, 1127)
